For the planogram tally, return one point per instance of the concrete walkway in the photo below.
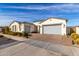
(36, 47)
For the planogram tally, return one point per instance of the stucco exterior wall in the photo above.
(38, 26)
(17, 26)
(77, 30)
(22, 27)
(33, 28)
(53, 21)
(64, 28)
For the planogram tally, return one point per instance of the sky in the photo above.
(30, 12)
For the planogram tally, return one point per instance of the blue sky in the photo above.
(36, 11)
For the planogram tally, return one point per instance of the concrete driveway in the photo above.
(32, 47)
(23, 49)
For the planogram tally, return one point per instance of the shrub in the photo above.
(12, 33)
(23, 33)
(77, 41)
(15, 33)
(6, 30)
(26, 34)
(74, 36)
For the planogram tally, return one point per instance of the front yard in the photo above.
(50, 38)
(53, 38)
(43, 37)
(43, 47)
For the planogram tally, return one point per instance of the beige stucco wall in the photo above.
(24, 27)
(17, 26)
(29, 27)
(53, 21)
(33, 28)
(77, 30)
(38, 26)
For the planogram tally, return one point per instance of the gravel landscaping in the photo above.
(52, 38)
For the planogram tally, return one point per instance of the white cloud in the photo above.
(62, 7)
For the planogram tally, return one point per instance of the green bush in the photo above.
(26, 34)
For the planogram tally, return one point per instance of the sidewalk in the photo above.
(14, 37)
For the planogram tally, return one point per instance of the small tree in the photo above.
(25, 34)
(6, 30)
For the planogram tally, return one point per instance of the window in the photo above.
(20, 27)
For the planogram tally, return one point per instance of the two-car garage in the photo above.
(52, 29)
(52, 26)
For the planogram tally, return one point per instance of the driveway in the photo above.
(32, 47)
(23, 49)
(65, 40)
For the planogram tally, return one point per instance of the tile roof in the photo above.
(22, 22)
(50, 18)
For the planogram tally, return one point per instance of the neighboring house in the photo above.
(75, 29)
(52, 26)
(48, 26)
(1, 28)
(17, 26)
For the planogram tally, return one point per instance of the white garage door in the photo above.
(52, 29)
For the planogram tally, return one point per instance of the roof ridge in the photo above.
(21, 22)
(50, 18)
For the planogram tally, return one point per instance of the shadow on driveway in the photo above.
(7, 42)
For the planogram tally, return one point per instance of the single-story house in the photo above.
(52, 26)
(73, 29)
(76, 29)
(49, 26)
(17, 26)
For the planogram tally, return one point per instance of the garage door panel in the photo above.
(52, 29)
